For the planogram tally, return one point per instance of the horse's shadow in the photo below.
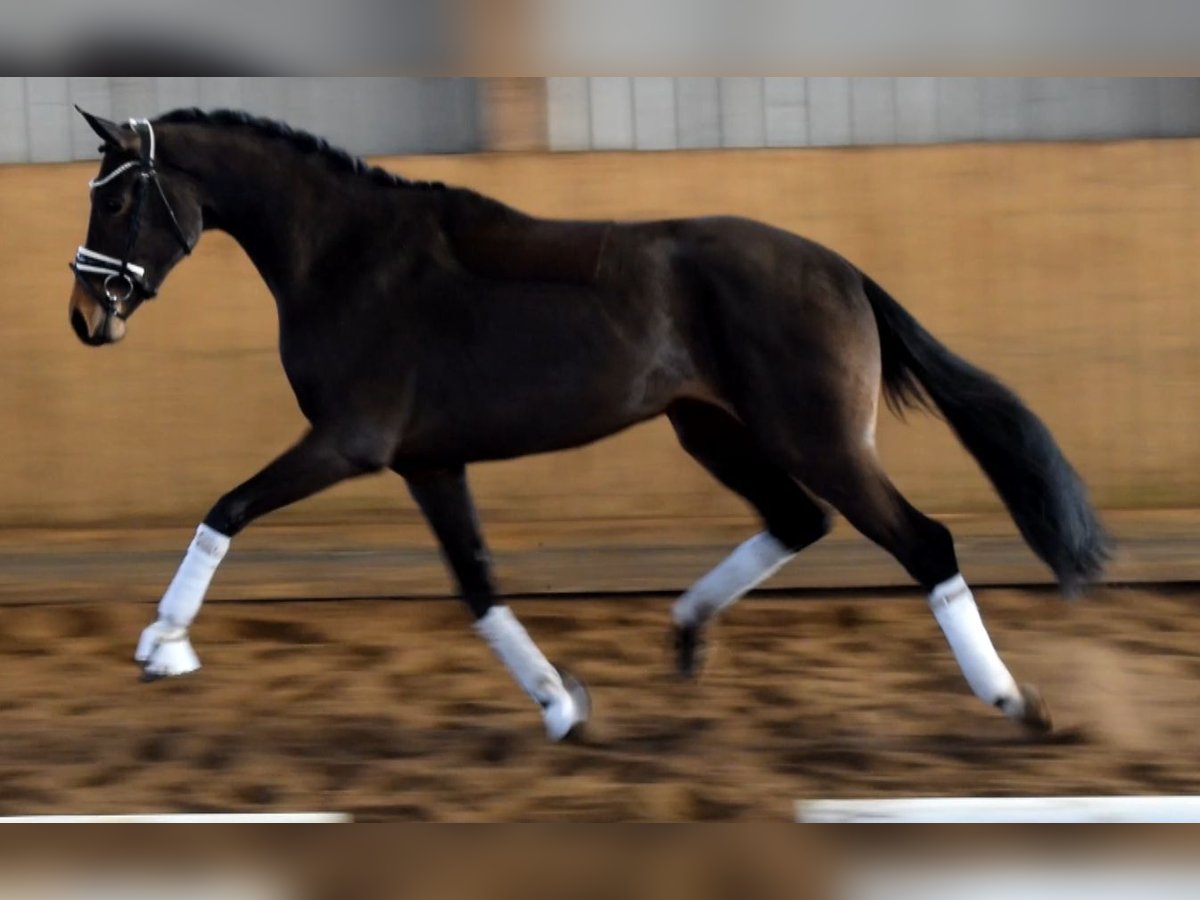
(801, 748)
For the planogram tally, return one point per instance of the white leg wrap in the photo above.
(164, 648)
(182, 600)
(533, 672)
(955, 610)
(743, 570)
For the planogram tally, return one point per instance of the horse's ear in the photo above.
(109, 132)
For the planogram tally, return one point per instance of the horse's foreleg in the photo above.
(312, 465)
(445, 500)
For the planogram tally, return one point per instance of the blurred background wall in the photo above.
(379, 116)
(1067, 267)
(616, 113)
(365, 115)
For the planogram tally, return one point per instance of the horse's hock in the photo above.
(1068, 271)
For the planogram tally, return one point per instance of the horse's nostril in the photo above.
(80, 326)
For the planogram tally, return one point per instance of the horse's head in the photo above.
(145, 219)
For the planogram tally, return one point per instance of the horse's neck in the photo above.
(267, 216)
(281, 207)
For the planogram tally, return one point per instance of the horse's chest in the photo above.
(307, 386)
(340, 366)
(316, 370)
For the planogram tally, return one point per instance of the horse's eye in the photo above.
(112, 205)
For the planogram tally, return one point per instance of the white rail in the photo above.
(1008, 810)
(186, 819)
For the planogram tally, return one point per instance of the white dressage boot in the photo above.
(562, 697)
(164, 650)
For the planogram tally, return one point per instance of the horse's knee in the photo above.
(801, 527)
(228, 515)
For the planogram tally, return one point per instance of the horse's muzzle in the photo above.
(93, 324)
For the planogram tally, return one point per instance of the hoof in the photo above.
(165, 653)
(1036, 714)
(689, 646)
(569, 723)
(148, 677)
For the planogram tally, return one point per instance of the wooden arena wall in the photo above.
(1070, 271)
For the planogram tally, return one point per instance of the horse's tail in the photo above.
(1043, 493)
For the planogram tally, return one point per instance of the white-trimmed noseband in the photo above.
(98, 264)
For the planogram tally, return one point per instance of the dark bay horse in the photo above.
(424, 328)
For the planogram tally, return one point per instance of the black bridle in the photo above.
(124, 273)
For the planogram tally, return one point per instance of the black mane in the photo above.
(338, 159)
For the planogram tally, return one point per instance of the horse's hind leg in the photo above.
(791, 518)
(855, 484)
